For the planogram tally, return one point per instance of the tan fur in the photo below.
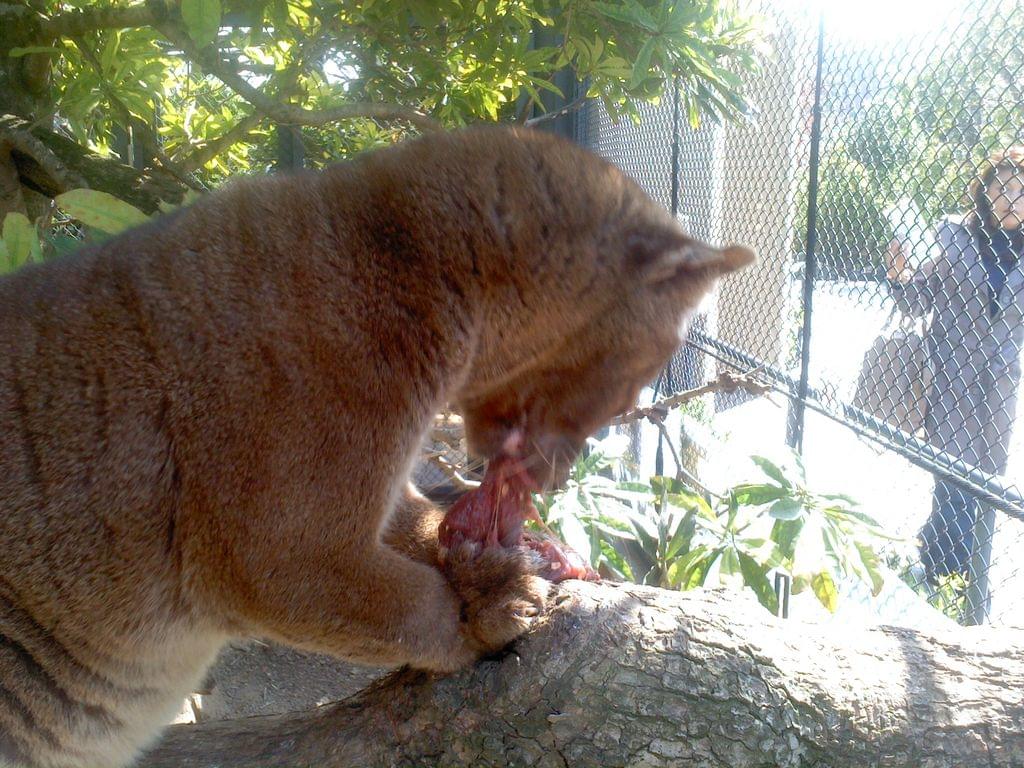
(207, 423)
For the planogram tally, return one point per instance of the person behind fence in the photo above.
(973, 286)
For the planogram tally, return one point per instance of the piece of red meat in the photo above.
(493, 515)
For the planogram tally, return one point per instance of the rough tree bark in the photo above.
(633, 676)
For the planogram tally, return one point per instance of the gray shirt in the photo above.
(975, 355)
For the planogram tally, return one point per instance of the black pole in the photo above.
(795, 427)
(674, 199)
(666, 375)
(291, 154)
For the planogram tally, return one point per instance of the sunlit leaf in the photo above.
(824, 589)
(772, 470)
(872, 566)
(757, 494)
(100, 210)
(755, 576)
(18, 234)
(202, 19)
(786, 509)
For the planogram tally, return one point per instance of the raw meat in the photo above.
(493, 515)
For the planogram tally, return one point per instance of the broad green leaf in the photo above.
(100, 210)
(729, 573)
(786, 533)
(642, 65)
(872, 566)
(202, 19)
(682, 567)
(799, 584)
(576, 536)
(630, 12)
(18, 234)
(841, 497)
(646, 533)
(682, 14)
(754, 494)
(691, 501)
(625, 495)
(858, 515)
(824, 589)
(786, 509)
(772, 470)
(614, 532)
(755, 576)
(681, 537)
(764, 551)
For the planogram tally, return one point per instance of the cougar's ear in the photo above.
(660, 254)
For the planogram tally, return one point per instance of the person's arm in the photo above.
(915, 291)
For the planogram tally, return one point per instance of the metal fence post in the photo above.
(795, 422)
(291, 154)
(978, 599)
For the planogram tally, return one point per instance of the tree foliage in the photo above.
(217, 74)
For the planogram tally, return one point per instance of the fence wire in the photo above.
(889, 294)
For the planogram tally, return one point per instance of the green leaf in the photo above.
(681, 16)
(764, 551)
(756, 577)
(840, 497)
(872, 565)
(202, 19)
(681, 537)
(785, 533)
(630, 12)
(729, 573)
(17, 52)
(859, 516)
(18, 234)
(610, 530)
(754, 494)
(576, 536)
(689, 501)
(786, 509)
(824, 589)
(100, 210)
(646, 534)
(772, 470)
(642, 65)
(682, 568)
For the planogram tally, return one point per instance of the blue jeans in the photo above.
(947, 538)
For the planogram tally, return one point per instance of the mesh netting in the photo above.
(887, 298)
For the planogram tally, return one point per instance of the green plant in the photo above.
(668, 534)
(948, 596)
(98, 214)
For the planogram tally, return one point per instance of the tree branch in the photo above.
(726, 382)
(280, 82)
(74, 23)
(148, 136)
(288, 114)
(201, 154)
(14, 133)
(572, 106)
(627, 675)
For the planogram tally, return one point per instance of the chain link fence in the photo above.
(888, 303)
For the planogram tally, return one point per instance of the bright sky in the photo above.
(876, 22)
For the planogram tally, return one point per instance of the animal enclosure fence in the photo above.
(855, 160)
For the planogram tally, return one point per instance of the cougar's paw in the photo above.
(500, 591)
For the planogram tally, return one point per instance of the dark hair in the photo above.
(980, 218)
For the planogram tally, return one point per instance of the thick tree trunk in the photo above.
(633, 676)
